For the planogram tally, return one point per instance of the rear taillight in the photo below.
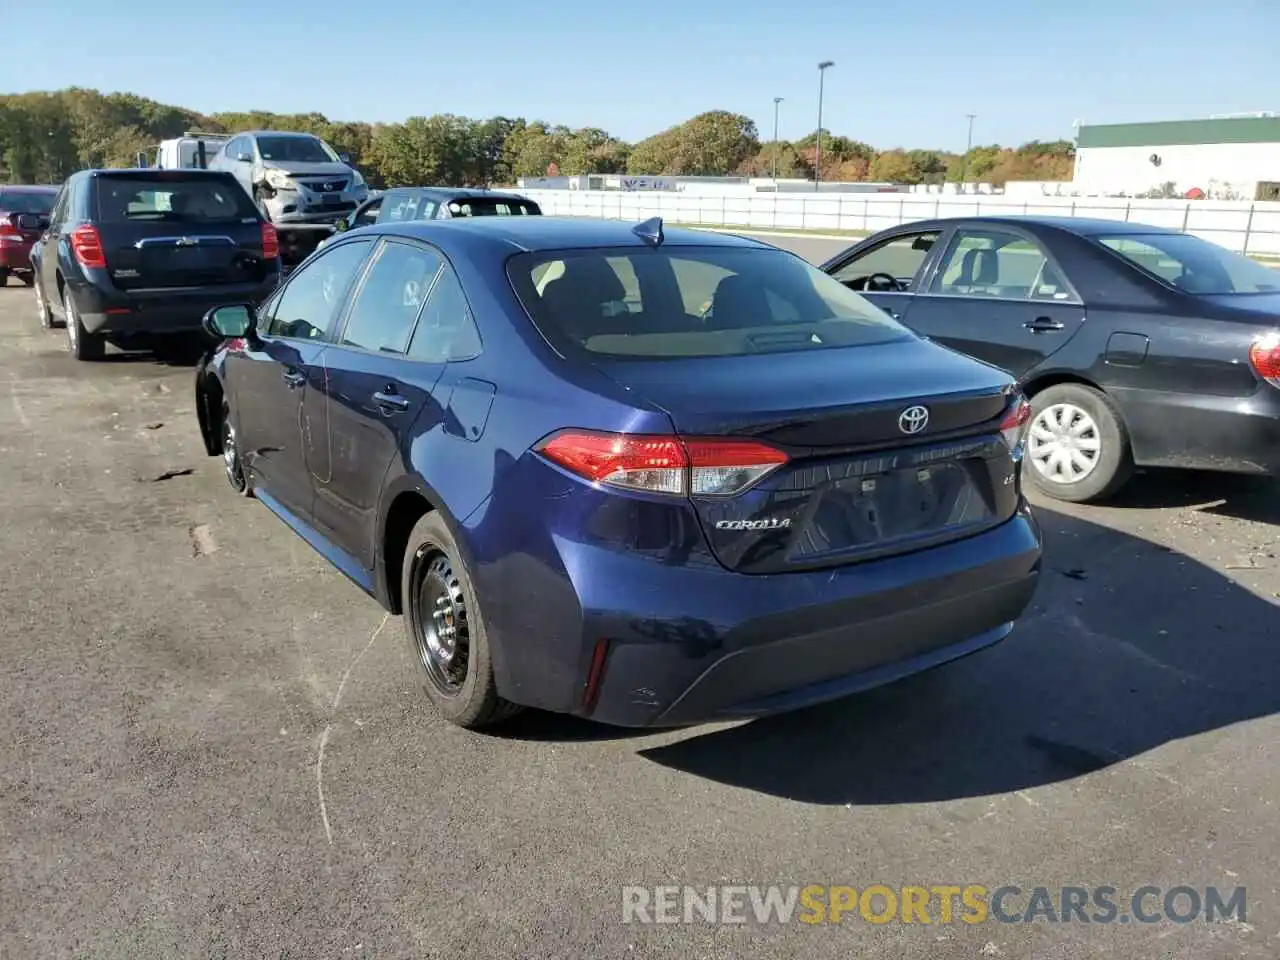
(86, 244)
(1264, 356)
(7, 229)
(679, 466)
(270, 242)
(1014, 425)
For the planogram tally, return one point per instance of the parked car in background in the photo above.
(134, 254)
(23, 214)
(437, 203)
(1138, 346)
(590, 494)
(292, 177)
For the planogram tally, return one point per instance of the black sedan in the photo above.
(1139, 346)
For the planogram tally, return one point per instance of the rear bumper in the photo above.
(104, 309)
(692, 644)
(15, 254)
(1231, 434)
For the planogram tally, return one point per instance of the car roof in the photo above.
(443, 193)
(177, 173)
(28, 188)
(553, 233)
(276, 133)
(1081, 226)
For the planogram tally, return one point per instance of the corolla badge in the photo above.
(913, 419)
(773, 523)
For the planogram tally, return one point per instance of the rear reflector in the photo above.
(1264, 356)
(86, 244)
(663, 464)
(1014, 424)
(270, 242)
(7, 229)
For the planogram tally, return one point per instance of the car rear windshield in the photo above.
(192, 200)
(296, 150)
(26, 201)
(493, 207)
(668, 302)
(1193, 265)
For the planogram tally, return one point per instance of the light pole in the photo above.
(964, 164)
(817, 168)
(776, 101)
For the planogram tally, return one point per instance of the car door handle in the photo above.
(293, 378)
(391, 402)
(1043, 325)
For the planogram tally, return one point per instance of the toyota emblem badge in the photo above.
(913, 419)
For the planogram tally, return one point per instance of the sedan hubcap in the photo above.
(230, 456)
(441, 630)
(1063, 443)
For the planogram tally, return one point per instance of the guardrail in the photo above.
(1251, 228)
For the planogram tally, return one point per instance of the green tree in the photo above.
(896, 166)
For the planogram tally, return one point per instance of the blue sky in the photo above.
(906, 71)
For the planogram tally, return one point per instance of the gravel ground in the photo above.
(215, 747)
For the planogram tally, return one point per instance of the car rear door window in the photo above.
(388, 302)
(310, 301)
(446, 331)
(993, 263)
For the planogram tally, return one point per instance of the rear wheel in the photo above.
(446, 629)
(28, 278)
(4, 276)
(1077, 447)
(82, 344)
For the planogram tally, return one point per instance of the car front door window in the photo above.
(307, 306)
(889, 267)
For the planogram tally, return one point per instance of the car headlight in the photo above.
(281, 180)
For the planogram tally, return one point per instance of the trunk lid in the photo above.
(858, 484)
(164, 229)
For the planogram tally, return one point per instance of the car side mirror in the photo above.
(231, 320)
(244, 157)
(344, 157)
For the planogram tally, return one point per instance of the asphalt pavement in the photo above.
(214, 746)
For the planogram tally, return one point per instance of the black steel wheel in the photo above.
(446, 629)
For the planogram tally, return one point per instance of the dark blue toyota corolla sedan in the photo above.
(648, 477)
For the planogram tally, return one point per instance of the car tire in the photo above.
(232, 465)
(28, 278)
(4, 277)
(446, 629)
(1077, 447)
(261, 203)
(81, 344)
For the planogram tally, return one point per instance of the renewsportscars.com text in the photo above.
(878, 903)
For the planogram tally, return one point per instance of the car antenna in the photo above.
(650, 231)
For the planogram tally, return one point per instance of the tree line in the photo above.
(46, 136)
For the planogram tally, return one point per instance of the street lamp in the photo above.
(776, 101)
(964, 164)
(817, 171)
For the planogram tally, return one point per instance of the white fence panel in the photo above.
(1242, 226)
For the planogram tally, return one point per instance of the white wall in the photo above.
(1213, 167)
(1245, 227)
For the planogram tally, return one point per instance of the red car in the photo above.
(15, 242)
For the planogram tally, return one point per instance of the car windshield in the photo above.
(406, 205)
(195, 200)
(296, 150)
(26, 201)
(1193, 265)
(691, 301)
(492, 207)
